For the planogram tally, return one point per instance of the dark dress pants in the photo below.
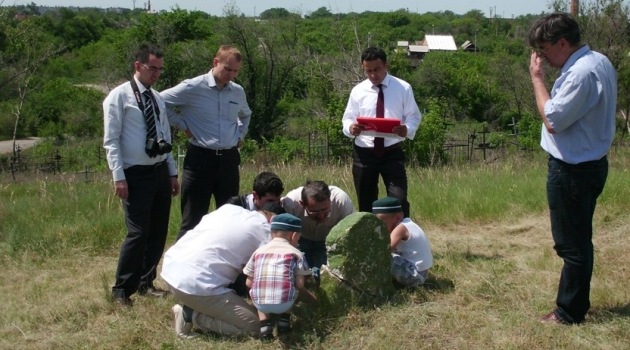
(147, 212)
(572, 192)
(366, 169)
(206, 173)
(314, 252)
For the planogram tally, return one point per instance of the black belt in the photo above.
(210, 151)
(584, 165)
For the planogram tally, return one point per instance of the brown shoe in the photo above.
(153, 292)
(123, 302)
(553, 318)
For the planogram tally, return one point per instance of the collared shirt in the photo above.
(582, 109)
(416, 249)
(340, 207)
(273, 268)
(125, 133)
(212, 255)
(217, 118)
(398, 101)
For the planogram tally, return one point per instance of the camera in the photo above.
(155, 148)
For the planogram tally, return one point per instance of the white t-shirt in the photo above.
(212, 255)
(417, 248)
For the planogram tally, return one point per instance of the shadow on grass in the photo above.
(467, 256)
(313, 323)
(608, 314)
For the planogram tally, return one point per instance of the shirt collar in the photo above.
(141, 87)
(574, 57)
(385, 81)
(213, 83)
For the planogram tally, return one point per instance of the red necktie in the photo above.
(379, 142)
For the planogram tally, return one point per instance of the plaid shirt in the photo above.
(273, 268)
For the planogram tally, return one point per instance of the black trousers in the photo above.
(207, 172)
(146, 215)
(366, 169)
(572, 192)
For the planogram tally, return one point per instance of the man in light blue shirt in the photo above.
(213, 112)
(578, 129)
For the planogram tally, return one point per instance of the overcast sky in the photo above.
(503, 8)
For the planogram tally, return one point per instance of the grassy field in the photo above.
(495, 271)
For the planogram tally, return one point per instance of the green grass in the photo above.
(495, 269)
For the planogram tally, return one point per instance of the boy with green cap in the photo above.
(411, 251)
(275, 274)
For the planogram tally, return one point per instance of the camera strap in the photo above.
(138, 96)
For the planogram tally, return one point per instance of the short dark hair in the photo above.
(373, 53)
(318, 190)
(146, 50)
(554, 27)
(268, 182)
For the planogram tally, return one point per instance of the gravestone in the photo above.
(359, 260)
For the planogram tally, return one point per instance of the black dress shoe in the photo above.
(153, 292)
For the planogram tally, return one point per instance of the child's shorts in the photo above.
(274, 308)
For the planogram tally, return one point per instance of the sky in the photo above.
(501, 8)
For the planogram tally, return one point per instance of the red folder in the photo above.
(378, 125)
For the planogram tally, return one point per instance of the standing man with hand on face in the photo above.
(213, 112)
(137, 142)
(380, 95)
(578, 128)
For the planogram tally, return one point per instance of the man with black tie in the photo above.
(381, 95)
(137, 141)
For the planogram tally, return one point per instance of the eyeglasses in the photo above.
(542, 51)
(317, 212)
(153, 69)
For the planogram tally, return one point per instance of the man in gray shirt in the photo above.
(213, 112)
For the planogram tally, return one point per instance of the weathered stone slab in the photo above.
(358, 251)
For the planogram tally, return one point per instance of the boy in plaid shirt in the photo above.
(275, 274)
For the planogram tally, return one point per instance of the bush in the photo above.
(427, 147)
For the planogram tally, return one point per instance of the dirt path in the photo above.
(6, 147)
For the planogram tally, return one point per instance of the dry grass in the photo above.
(490, 284)
(491, 281)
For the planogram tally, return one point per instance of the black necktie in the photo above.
(379, 142)
(149, 115)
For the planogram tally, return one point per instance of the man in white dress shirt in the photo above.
(137, 143)
(202, 264)
(374, 156)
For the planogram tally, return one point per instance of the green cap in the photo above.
(386, 205)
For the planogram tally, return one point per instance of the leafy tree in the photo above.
(27, 49)
(270, 58)
(321, 12)
(276, 13)
(464, 82)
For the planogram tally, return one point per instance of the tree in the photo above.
(25, 51)
(605, 24)
(270, 58)
(321, 12)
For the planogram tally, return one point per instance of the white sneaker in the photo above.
(183, 329)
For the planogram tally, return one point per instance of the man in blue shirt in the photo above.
(578, 116)
(213, 112)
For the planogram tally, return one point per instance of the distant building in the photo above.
(469, 46)
(440, 42)
(417, 50)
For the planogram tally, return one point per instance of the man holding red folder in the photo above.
(381, 95)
